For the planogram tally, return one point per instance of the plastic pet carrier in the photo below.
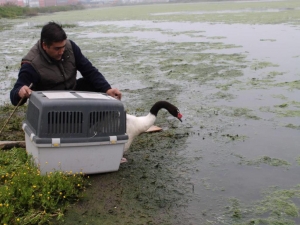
(75, 131)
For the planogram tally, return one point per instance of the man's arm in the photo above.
(27, 75)
(88, 71)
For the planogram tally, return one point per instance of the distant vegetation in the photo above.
(13, 11)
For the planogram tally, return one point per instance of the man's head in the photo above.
(53, 39)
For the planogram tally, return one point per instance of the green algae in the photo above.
(241, 112)
(262, 65)
(286, 109)
(279, 203)
(234, 209)
(272, 161)
(271, 40)
(223, 95)
(216, 37)
(278, 206)
(291, 85)
(282, 105)
(234, 137)
(199, 67)
(265, 160)
(265, 81)
(289, 113)
(298, 160)
(293, 126)
(226, 86)
(64, 25)
(280, 97)
(273, 74)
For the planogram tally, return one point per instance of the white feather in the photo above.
(137, 125)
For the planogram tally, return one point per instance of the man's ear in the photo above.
(44, 45)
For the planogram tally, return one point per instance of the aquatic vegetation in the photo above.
(293, 126)
(272, 40)
(223, 95)
(278, 206)
(234, 209)
(291, 85)
(289, 113)
(262, 65)
(241, 112)
(65, 26)
(287, 109)
(280, 97)
(234, 137)
(273, 74)
(282, 105)
(226, 86)
(266, 160)
(298, 160)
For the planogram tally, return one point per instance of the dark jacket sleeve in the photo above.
(88, 71)
(27, 75)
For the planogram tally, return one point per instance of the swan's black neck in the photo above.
(163, 105)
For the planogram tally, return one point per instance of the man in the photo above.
(52, 64)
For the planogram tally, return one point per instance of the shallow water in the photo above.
(235, 85)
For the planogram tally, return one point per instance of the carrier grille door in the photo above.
(104, 123)
(65, 122)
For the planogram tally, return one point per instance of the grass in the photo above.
(173, 12)
(26, 197)
(13, 129)
(13, 11)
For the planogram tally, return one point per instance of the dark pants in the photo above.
(84, 85)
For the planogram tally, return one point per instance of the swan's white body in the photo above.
(137, 125)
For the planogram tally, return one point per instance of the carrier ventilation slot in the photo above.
(103, 123)
(65, 122)
(32, 116)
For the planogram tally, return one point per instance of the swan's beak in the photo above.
(179, 116)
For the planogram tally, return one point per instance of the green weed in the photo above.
(26, 197)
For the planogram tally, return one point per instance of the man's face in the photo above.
(56, 50)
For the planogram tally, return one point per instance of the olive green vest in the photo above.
(59, 75)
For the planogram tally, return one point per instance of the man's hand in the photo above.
(115, 93)
(24, 92)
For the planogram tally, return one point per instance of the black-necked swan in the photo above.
(137, 125)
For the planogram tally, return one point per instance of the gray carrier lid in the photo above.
(72, 114)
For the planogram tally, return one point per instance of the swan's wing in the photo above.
(132, 125)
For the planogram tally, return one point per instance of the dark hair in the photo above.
(52, 32)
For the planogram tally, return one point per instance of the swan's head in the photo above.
(179, 115)
(175, 112)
